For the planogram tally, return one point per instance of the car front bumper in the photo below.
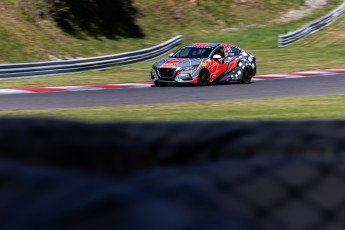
(177, 77)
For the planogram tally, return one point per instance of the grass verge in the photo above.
(299, 108)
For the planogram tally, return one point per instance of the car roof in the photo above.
(204, 44)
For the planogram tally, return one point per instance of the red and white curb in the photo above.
(75, 88)
(315, 73)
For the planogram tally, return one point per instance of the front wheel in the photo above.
(246, 76)
(204, 77)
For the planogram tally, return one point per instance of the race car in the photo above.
(204, 63)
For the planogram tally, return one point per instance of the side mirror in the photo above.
(170, 55)
(217, 56)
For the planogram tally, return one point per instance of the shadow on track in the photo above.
(195, 85)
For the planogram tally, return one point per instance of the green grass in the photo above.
(29, 33)
(301, 108)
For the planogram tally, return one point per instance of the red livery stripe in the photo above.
(201, 44)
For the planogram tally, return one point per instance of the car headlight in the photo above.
(189, 68)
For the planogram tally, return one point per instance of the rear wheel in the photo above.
(204, 77)
(246, 76)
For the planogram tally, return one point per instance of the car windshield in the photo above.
(193, 52)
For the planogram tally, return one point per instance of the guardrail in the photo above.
(50, 68)
(287, 39)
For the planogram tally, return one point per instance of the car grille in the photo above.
(166, 73)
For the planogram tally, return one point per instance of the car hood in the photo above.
(178, 62)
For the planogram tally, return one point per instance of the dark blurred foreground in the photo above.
(226, 175)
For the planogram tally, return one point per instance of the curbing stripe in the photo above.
(332, 71)
(43, 90)
(110, 86)
(75, 88)
(13, 91)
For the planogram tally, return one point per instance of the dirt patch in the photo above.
(293, 15)
(338, 34)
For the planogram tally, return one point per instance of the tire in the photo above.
(246, 76)
(160, 84)
(204, 77)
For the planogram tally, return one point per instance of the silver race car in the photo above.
(204, 63)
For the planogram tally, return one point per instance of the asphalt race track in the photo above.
(309, 86)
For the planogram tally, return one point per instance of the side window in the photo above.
(237, 51)
(234, 51)
(220, 51)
